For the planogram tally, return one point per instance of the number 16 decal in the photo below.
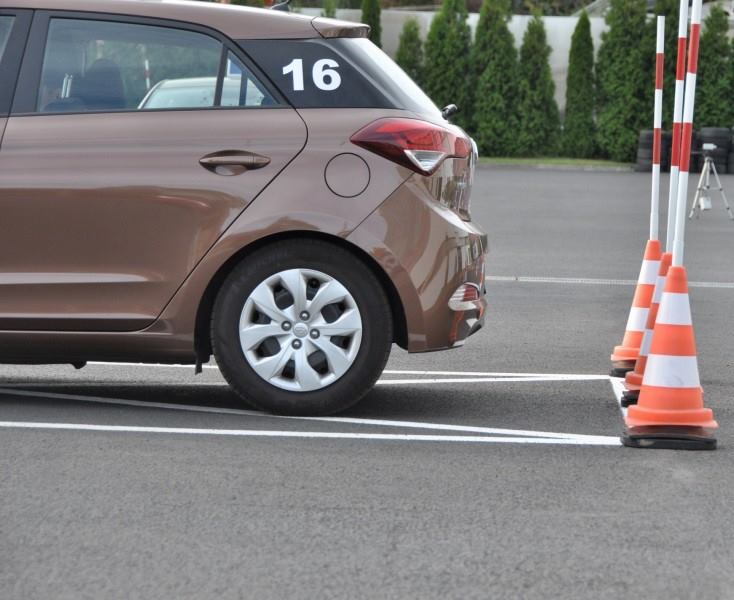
(324, 75)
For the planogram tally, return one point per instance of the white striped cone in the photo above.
(671, 393)
(624, 356)
(633, 380)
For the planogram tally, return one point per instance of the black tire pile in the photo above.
(723, 155)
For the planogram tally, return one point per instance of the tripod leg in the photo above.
(695, 207)
(723, 195)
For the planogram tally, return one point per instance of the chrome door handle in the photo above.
(233, 162)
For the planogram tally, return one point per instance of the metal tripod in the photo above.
(702, 200)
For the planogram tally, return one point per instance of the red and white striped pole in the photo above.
(657, 123)
(680, 73)
(686, 133)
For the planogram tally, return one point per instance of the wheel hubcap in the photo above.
(300, 330)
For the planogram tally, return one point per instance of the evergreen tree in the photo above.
(329, 9)
(371, 16)
(713, 82)
(447, 58)
(624, 98)
(410, 51)
(578, 126)
(493, 82)
(539, 125)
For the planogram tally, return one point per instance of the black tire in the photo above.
(351, 272)
(730, 164)
(646, 138)
(721, 136)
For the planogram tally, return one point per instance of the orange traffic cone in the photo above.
(625, 355)
(633, 379)
(670, 412)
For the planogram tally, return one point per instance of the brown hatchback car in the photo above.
(183, 179)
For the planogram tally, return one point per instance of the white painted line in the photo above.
(588, 281)
(618, 389)
(191, 383)
(480, 380)
(561, 376)
(349, 420)
(606, 441)
(424, 373)
(147, 365)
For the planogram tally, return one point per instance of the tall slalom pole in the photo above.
(657, 123)
(670, 412)
(680, 73)
(624, 357)
(686, 134)
(633, 379)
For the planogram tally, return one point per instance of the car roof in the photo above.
(236, 22)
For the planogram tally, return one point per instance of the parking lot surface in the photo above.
(493, 470)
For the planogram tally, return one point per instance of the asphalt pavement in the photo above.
(490, 471)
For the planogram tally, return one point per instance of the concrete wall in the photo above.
(559, 30)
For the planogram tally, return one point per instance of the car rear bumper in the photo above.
(428, 252)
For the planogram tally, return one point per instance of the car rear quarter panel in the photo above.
(427, 251)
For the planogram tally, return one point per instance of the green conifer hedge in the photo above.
(539, 122)
(493, 83)
(713, 83)
(624, 94)
(447, 58)
(410, 51)
(578, 125)
(371, 16)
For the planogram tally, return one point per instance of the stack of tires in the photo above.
(644, 150)
(731, 157)
(666, 141)
(696, 157)
(721, 137)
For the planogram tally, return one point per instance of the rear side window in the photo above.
(338, 73)
(111, 66)
(6, 24)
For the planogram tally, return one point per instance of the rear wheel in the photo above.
(301, 327)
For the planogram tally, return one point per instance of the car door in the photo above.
(126, 155)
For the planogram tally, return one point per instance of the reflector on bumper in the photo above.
(464, 297)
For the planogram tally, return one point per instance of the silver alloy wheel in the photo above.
(300, 330)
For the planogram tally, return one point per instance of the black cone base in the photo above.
(668, 437)
(621, 371)
(629, 397)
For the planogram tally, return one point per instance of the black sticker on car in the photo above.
(316, 73)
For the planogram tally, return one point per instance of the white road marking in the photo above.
(561, 376)
(480, 380)
(589, 281)
(422, 373)
(349, 420)
(606, 441)
(434, 381)
(618, 388)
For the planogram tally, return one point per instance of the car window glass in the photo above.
(6, 23)
(108, 66)
(240, 88)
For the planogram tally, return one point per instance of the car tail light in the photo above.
(417, 145)
(464, 297)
